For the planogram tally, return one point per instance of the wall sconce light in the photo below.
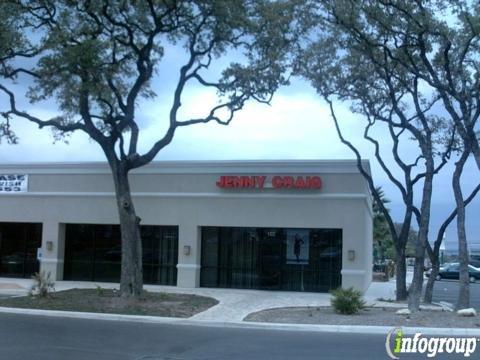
(186, 250)
(49, 245)
(351, 255)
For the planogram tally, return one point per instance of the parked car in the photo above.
(451, 271)
(474, 263)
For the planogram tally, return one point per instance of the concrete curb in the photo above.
(351, 329)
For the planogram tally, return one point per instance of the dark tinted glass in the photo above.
(18, 249)
(454, 267)
(79, 252)
(271, 258)
(93, 253)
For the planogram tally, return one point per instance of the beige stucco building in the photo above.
(287, 225)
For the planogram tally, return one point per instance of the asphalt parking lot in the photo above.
(447, 290)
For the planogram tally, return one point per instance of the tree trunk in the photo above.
(434, 254)
(415, 290)
(428, 297)
(416, 287)
(131, 280)
(464, 289)
(401, 276)
(476, 156)
(475, 149)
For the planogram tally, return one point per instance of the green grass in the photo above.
(108, 301)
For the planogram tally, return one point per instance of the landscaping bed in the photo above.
(108, 301)
(380, 316)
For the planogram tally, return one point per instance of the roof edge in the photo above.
(200, 166)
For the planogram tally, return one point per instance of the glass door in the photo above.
(270, 258)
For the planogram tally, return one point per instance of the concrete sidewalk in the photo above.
(234, 304)
(385, 290)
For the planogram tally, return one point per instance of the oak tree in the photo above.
(97, 60)
(403, 65)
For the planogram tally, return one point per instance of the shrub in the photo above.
(347, 301)
(100, 291)
(43, 285)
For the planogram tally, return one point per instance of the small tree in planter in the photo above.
(43, 285)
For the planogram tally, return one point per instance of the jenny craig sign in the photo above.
(276, 182)
(13, 184)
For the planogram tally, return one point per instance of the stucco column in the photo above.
(369, 247)
(357, 248)
(53, 247)
(189, 251)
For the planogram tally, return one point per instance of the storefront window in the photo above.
(18, 249)
(271, 258)
(93, 253)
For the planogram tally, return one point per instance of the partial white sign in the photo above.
(13, 183)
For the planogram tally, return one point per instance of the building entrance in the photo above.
(271, 258)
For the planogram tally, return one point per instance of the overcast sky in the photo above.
(297, 125)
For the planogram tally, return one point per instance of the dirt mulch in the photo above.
(108, 301)
(380, 316)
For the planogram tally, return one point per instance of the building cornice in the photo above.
(196, 167)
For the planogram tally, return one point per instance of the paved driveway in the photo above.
(447, 290)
